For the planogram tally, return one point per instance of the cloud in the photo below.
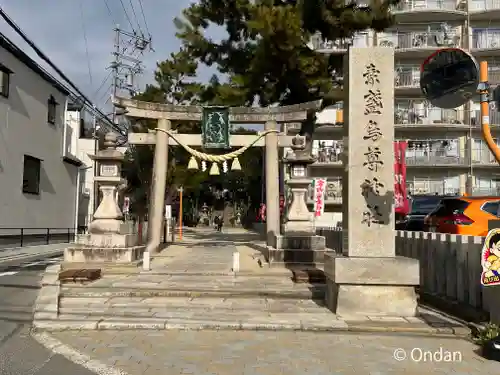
(77, 33)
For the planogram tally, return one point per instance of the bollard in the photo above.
(146, 261)
(236, 261)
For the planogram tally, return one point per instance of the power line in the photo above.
(102, 84)
(40, 54)
(135, 16)
(144, 18)
(127, 16)
(109, 11)
(86, 41)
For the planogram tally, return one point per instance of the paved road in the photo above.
(20, 354)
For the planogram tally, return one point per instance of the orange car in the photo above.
(463, 215)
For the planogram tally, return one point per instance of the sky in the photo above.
(78, 36)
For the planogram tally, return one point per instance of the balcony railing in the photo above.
(418, 39)
(428, 115)
(492, 190)
(493, 115)
(431, 187)
(481, 155)
(333, 192)
(434, 158)
(427, 5)
(359, 40)
(328, 154)
(493, 71)
(485, 39)
(407, 76)
(481, 6)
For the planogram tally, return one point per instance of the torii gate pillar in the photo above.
(157, 200)
(272, 185)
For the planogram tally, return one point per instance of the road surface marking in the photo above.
(56, 346)
(9, 273)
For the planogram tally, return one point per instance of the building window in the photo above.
(4, 81)
(52, 110)
(31, 175)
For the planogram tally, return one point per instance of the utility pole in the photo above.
(129, 49)
(115, 66)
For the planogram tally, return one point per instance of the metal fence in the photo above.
(19, 237)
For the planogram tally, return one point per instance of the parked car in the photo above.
(463, 215)
(420, 207)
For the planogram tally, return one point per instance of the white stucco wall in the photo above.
(24, 130)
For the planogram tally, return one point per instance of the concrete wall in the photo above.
(24, 130)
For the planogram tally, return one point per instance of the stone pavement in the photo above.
(271, 353)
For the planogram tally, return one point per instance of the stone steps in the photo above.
(190, 313)
(312, 292)
(185, 303)
(187, 313)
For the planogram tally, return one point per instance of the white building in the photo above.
(446, 153)
(38, 171)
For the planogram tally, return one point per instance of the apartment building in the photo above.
(446, 153)
(38, 172)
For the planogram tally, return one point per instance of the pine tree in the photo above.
(265, 52)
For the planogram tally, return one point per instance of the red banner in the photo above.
(401, 204)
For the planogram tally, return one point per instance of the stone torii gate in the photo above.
(165, 113)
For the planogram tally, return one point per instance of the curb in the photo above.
(31, 257)
(175, 324)
(57, 347)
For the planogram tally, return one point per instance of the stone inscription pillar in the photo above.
(272, 185)
(370, 279)
(157, 200)
(368, 186)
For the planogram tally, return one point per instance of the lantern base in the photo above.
(91, 256)
(298, 251)
(299, 228)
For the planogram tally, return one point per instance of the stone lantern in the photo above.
(110, 239)
(299, 220)
(299, 245)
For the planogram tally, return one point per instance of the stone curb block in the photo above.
(47, 301)
(72, 325)
(74, 356)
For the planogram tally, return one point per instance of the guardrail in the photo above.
(20, 237)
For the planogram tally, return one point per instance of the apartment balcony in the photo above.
(419, 44)
(438, 158)
(486, 42)
(484, 10)
(421, 117)
(430, 10)
(333, 192)
(407, 79)
(329, 156)
(483, 158)
(494, 119)
(340, 46)
(430, 187)
(486, 191)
